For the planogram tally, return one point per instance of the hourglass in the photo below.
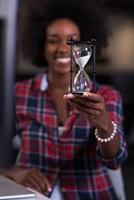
(81, 53)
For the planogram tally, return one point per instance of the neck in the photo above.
(58, 81)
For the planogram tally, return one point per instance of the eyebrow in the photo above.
(55, 35)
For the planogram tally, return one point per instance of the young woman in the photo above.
(68, 141)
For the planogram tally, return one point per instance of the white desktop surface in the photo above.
(39, 196)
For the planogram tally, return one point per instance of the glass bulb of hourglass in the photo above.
(82, 61)
(81, 81)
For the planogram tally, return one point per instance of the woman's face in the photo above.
(57, 52)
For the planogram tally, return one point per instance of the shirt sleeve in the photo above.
(113, 103)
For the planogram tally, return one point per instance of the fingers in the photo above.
(32, 184)
(87, 96)
(87, 101)
(90, 111)
(36, 180)
(94, 98)
(91, 106)
(68, 96)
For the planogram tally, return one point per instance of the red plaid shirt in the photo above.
(72, 157)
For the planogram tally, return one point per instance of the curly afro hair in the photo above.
(35, 16)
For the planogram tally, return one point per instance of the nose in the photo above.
(63, 47)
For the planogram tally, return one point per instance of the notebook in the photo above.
(12, 190)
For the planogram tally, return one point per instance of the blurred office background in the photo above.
(116, 67)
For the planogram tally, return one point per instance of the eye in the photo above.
(73, 37)
(52, 41)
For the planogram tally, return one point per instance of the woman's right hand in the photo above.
(31, 178)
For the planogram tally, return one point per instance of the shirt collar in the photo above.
(40, 82)
(44, 83)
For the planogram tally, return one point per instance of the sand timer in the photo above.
(81, 53)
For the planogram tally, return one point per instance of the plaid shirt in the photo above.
(72, 157)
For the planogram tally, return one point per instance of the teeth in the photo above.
(63, 60)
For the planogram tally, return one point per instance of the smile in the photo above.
(63, 60)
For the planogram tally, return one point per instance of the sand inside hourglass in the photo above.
(82, 61)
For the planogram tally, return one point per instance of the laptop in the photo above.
(11, 190)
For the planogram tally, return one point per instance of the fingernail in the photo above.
(86, 94)
(70, 96)
(49, 189)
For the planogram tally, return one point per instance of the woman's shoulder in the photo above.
(33, 82)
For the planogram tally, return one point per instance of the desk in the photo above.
(38, 196)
